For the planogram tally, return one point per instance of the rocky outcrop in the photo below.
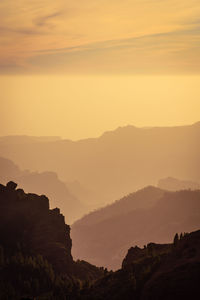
(157, 271)
(26, 220)
(47, 183)
(136, 254)
(103, 236)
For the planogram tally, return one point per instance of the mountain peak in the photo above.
(196, 124)
(120, 130)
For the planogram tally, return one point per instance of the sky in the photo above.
(78, 68)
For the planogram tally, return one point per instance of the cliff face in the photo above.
(178, 272)
(47, 183)
(26, 220)
(168, 271)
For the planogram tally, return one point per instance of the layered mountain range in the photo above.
(157, 271)
(148, 215)
(115, 164)
(36, 260)
(35, 248)
(47, 183)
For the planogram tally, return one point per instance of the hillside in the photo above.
(143, 198)
(35, 249)
(102, 237)
(157, 271)
(36, 260)
(46, 183)
(116, 163)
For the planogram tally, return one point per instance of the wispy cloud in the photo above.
(101, 36)
(20, 31)
(175, 51)
(44, 20)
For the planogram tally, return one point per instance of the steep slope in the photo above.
(158, 271)
(174, 184)
(36, 260)
(143, 198)
(177, 276)
(132, 157)
(26, 218)
(8, 170)
(35, 249)
(56, 190)
(46, 183)
(105, 242)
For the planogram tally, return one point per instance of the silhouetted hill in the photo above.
(46, 183)
(143, 198)
(174, 184)
(57, 192)
(24, 139)
(8, 170)
(35, 249)
(116, 163)
(158, 271)
(36, 260)
(26, 218)
(102, 237)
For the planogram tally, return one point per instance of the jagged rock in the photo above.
(20, 193)
(11, 185)
(134, 253)
(28, 220)
(168, 273)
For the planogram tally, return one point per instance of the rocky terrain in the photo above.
(36, 260)
(148, 215)
(157, 271)
(35, 244)
(47, 183)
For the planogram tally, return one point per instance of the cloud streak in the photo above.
(150, 53)
(19, 31)
(102, 37)
(44, 20)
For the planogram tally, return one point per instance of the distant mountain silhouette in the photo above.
(25, 139)
(155, 272)
(46, 183)
(103, 236)
(144, 198)
(116, 163)
(8, 170)
(174, 184)
(36, 260)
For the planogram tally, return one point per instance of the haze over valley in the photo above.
(100, 150)
(113, 165)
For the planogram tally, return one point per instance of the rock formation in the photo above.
(28, 219)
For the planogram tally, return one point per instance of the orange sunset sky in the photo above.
(78, 68)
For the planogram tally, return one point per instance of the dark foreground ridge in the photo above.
(158, 271)
(36, 261)
(35, 249)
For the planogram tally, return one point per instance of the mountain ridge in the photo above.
(44, 183)
(131, 160)
(103, 241)
(50, 138)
